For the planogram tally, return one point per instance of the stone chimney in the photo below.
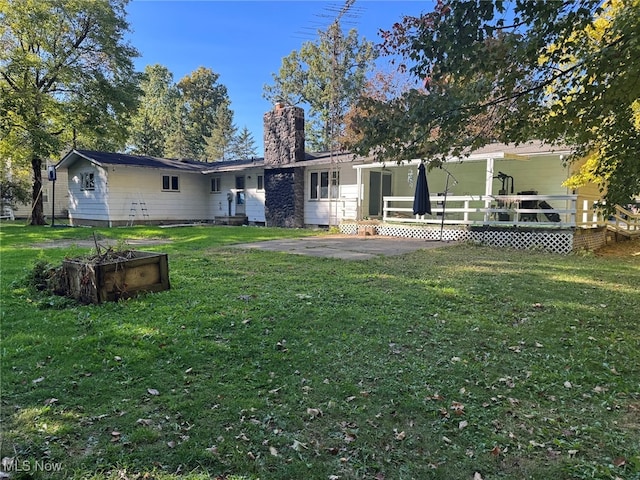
(283, 135)
(283, 180)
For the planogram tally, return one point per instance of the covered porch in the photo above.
(498, 184)
(501, 195)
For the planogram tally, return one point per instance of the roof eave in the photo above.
(72, 157)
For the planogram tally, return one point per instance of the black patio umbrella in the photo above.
(421, 203)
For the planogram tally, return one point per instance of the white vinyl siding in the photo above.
(319, 210)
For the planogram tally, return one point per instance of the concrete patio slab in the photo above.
(346, 247)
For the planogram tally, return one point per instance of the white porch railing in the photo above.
(508, 210)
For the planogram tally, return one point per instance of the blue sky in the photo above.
(245, 41)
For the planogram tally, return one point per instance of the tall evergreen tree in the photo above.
(154, 117)
(244, 145)
(219, 144)
(177, 143)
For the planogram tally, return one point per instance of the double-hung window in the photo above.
(215, 185)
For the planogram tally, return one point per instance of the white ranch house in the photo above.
(501, 194)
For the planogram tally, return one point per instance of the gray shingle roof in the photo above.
(108, 158)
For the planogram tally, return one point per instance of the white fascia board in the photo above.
(72, 157)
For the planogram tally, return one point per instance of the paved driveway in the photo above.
(346, 247)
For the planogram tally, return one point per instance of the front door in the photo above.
(240, 195)
(379, 187)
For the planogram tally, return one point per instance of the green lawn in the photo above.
(456, 363)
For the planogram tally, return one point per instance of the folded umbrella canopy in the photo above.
(421, 202)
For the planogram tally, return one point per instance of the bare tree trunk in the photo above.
(37, 208)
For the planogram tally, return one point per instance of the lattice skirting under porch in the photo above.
(555, 241)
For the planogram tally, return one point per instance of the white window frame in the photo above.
(217, 188)
(87, 181)
(326, 185)
(170, 180)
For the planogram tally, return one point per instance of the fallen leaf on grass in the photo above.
(458, 408)
(495, 451)
(273, 451)
(212, 450)
(171, 444)
(144, 421)
(462, 425)
(50, 401)
(399, 435)
(297, 446)
(446, 440)
(619, 462)
(152, 391)
(37, 380)
(477, 476)
(567, 384)
(314, 412)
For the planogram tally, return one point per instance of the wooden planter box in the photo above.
(113, 280)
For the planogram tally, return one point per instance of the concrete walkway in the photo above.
(346, 247)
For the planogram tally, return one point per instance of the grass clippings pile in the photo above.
(77, 276)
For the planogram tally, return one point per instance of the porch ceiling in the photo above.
(523, 152)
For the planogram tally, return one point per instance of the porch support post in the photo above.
(488, 189)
